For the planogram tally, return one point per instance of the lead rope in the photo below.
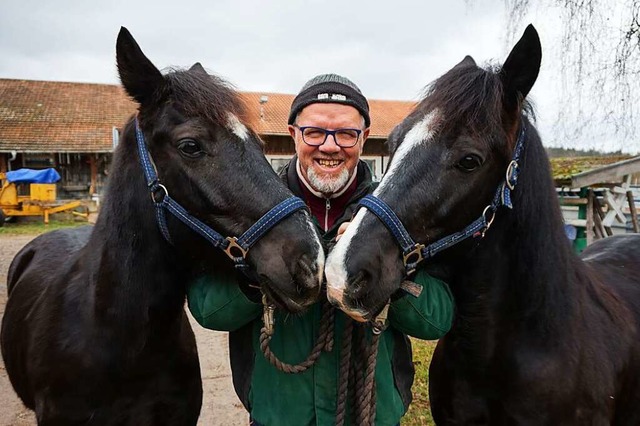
(365, 395)
(364, 404)
(344, 374)
(364, 361)
(323, 343)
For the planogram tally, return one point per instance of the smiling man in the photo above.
(330, 130)
(329, 123)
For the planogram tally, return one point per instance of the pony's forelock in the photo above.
(207, 96)
(470, 98)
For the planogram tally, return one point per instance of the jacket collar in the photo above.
(289, 176)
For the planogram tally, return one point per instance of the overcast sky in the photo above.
(391, 49)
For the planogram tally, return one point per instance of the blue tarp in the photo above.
(33, 176)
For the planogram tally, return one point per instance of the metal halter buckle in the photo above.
(417, 251)
(380, 321)
(233, 245)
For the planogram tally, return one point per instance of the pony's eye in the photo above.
(469, 163)
(190, 148)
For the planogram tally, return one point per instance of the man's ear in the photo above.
(365, 135)
(292, 132)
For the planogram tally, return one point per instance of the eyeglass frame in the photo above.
(327, 133)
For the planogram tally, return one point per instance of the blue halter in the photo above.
(413, 253)
(235, 247)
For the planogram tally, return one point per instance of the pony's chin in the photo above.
(355, 314)
(286, 303)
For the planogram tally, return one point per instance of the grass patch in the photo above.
(419, 413)
(32, 227)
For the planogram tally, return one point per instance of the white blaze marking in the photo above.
(236, 127)
(420, 134)
(335, 270)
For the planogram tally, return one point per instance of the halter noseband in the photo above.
(413, 253)
(235, 247)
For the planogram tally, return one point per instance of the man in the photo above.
(329, 123)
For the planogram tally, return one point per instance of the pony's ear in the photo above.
(198, 68)
(140, 78)
(521, 68)
(466, 62)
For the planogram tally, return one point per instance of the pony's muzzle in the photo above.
(346, 297)
(308, 279)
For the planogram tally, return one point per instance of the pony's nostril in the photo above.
(306, 271)
(358, 286)
(306, 280)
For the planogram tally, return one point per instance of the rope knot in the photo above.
(268, 316)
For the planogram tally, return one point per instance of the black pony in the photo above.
(95, 331)
(541, 336)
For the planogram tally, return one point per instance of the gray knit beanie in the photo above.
(330, 88)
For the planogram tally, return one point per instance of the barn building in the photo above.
(74, 128)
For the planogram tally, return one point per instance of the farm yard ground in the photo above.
(220, 405)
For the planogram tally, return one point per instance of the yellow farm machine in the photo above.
(41, 198)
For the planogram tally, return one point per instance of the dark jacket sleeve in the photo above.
(216, 302)
(428, 316)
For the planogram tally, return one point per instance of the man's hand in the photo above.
(343, 227)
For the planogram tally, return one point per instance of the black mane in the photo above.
(205, 95)
(470, 97)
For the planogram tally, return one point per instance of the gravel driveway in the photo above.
(220, 406)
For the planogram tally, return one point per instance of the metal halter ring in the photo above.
(233, 245)
(155, 191)
(513, 166)
(489, 221)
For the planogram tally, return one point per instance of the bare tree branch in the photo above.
(600, 66)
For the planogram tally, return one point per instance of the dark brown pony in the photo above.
(94, 331)
(541, 336)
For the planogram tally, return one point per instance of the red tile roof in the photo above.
(48, 116)
(51, 116)
(270, 117)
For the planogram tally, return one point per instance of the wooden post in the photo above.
(599, 216)
(94, 174)
(634, 214)
(589, 228)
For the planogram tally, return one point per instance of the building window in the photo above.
(278, 161)
(38, 161)
(377, 164)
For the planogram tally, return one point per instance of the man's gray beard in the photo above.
(327, 185)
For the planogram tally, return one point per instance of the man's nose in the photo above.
(330, 144)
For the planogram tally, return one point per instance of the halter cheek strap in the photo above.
(413, 253)
(235, 247)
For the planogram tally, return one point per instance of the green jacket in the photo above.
(309, 398)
